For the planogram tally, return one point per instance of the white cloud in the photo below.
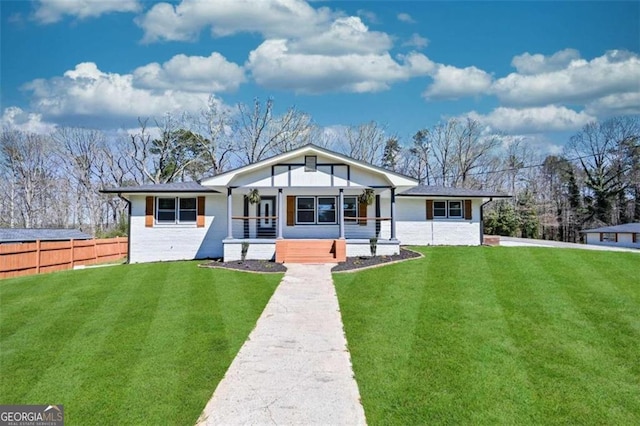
(450, 82)
(345, 35)
(417, 41)
(191, 73)
(532, 120)
(580, 81)
(405, 17)
(88, 91)
(51, 11)
(271, 18)
(616, 104)
(369, 16)
(529, 64)
(273, 65)
(16, 119)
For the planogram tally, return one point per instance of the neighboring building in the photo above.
(27, 235)
(627, 235)
(310, 209)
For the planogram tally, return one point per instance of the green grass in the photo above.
(481, 335)
(131, 344)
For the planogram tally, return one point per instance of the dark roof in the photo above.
(626, 228)
(443, 191)
(18, 235)
(160, 187)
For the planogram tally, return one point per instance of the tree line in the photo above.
(53, 180)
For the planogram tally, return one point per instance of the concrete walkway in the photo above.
(294, 369)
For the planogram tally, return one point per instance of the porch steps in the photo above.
(310, 251)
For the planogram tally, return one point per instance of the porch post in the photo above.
(393, 213)
(341, 213)
(229, 214)
(279, 222)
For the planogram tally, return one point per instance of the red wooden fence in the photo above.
(48, 256)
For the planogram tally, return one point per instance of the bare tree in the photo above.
(261, 134)
(217, 144)
(81, 153)
(602, 151)
(365, 142)
(442, 150)
(472, 152)
(28, 163)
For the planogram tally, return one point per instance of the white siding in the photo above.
(624, 240)
(258, 250)
(177, 242)
(363, 248)
(299, 177)
(412, 228)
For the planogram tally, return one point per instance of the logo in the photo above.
(31, 415)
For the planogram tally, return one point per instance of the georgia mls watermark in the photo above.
(31, 415)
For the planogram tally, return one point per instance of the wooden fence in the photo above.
(48, 256)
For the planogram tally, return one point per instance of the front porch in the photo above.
(305, 250)
(327, 226)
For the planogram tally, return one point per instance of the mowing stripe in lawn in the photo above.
(53, 325)
(119, 353)
(501, 336)
(164, 340)
(538, 314)
(130, 344)
(63, 378)
(496, 386)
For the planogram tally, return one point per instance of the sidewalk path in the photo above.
(294, 368)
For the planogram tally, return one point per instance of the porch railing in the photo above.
(251, 227)
(367, 227)
(254, 226)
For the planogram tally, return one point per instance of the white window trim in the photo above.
(176, 211)
(357, 209)
(335, 210)
(448, 214)
(316, 211)
(446, 209)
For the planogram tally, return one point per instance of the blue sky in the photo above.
(536, 69)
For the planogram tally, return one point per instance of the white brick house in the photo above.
(310, 209)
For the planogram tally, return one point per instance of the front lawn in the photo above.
(130, 344)
(497, 335)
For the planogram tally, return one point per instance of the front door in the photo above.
(267, 217)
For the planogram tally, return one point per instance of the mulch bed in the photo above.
(352, 263)
(355, 263)
(261, 266)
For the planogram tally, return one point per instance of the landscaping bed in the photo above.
(352, 263)
(261, 266)
(361, 262)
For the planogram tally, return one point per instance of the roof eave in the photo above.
(456, 195)
(224, 179)
(158, 191)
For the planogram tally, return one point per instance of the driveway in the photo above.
(516, 242)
